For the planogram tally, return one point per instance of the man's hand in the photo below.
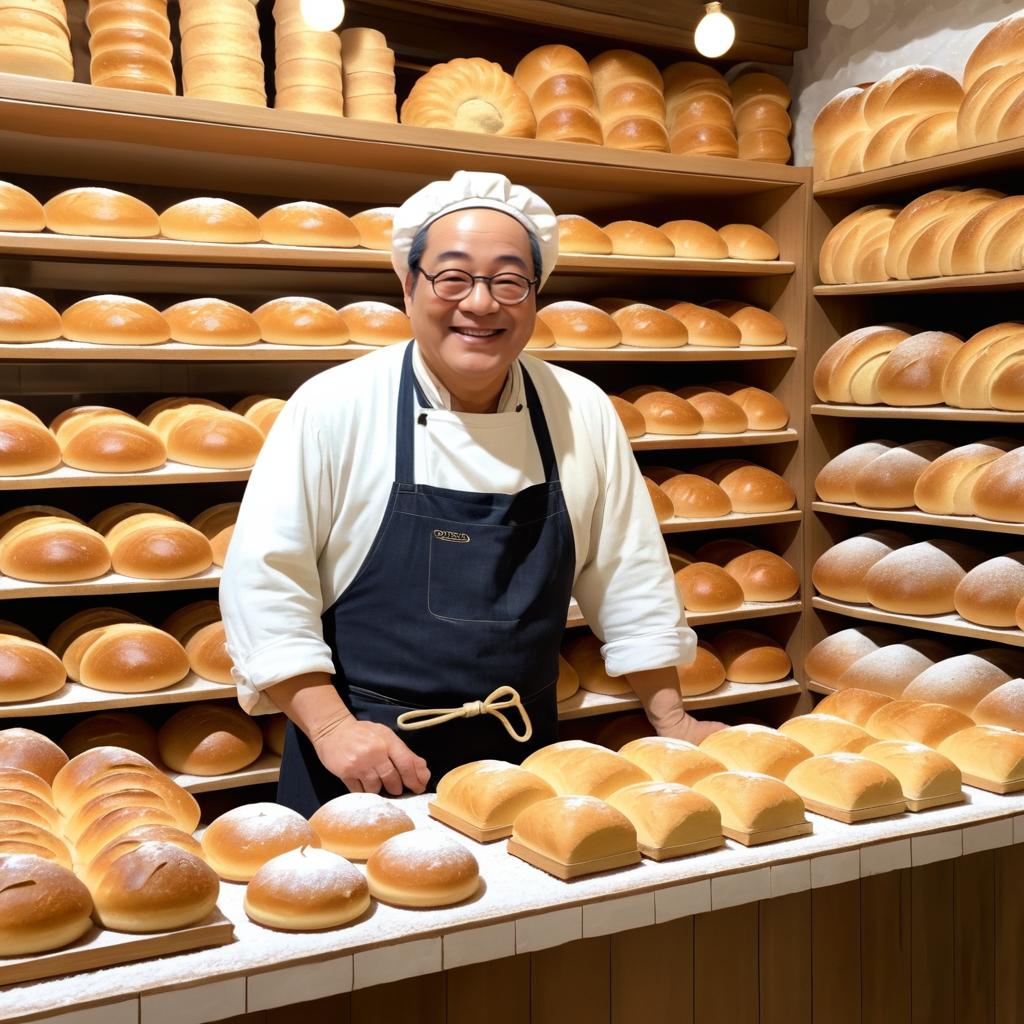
(658, 690)
(690, 729)
(367, 756)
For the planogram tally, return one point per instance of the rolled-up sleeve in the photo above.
(270, 593)
(626, 589)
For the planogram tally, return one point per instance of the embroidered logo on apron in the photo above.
(452, 536)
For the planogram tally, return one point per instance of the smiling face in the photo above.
(470, 344)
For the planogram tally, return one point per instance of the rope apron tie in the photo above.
(495, 703)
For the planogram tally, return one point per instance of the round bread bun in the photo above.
(115, 823)
(962, 681)
(542, 337)
(579, 325)
(305, 890)
(916, 720)
(76, 626)
(696, 497)
(720, 413)
(837, 479)
(750, 488)
(662, 503)
(126, 658)
(197, 432)
(841, 571)
(757, 326)
(42, 906)
(355, 824)
(706, 326)
(24, 837)
(92, 872)
(546, 61)
(25, 317)
(104, 440)
(702, 675)
(634, 238)
(583, 652)
(704, 140)
(422, 868)
(839, 359)
(217, 523)
(155, 887)
(763, 576)
(305, 223)
(989, 594)
(920, 579)
(206, 219)
(15, 801)
(1004, 706)
(695, 240)
(751, 657)
(80, 770)
(912, 372)
(20, 210)
(100, 211)
(112, 729)
(211, 321)
(856, 706)
(240, 841)
(375, 323)
(296, 320)
(632, 419)
(26, 446)
(114, 320)
(889, 480)
(576, 234)
(755, 748)
(891, 668)
(645, 326)
(568, 680)
(118, 779)
(638, 133)
(46, 545)
(28, 670)
(706, 587)
(31, 752)
(997, 490)
(94, 808)
(153, 545)
(207, 739)
(666, 413)
(261, 410)
(747, 242)
(374, 227)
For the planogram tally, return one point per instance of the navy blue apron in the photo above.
(460, 593)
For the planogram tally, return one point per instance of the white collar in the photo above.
(440, 398)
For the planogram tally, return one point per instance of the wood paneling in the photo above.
(570, 984)
(975, 939)
(498, 989)
(784, 959)
(933, 942)
(652, 974)
(413, 1001)
(725, 966)
(835, 956)
(1009, 935)
(885, 948)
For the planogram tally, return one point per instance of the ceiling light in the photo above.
(322, 15)
(715, 32)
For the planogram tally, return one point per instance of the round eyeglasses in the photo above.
(506, 289)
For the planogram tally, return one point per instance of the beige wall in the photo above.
(854, 41)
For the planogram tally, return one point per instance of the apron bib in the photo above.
(461, 592)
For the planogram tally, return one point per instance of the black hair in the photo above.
(419, 245)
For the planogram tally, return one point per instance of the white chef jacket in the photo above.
(319, 489)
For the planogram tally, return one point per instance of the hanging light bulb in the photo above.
(322, 15)
(715, 32)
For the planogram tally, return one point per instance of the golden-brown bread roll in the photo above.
(863, 234)
(209, 321)
(843, 361)
(21, 805)
(43, 906)
(892, 667)
(92, 210)
(646, 326)
(696, 497)
(763, 576)
(888, 481)
(490, 794)
(989, 594)
(752, 802)
(375, 323)
(199, 629)
(306, 890)
(91, 809)
(687, 77)
(114, 320)
(115, 823)
(695, 240)
(758, 86)
(757, 326)
(997, 489)
(217, 524)
(912, 372)
(668, 760)
(201, 433)
(847, 782)
(838, 477)
(932, 136)
(297, 320)
(20, 210)
(751, 657)
(662, 503)
(855, 706)
(632, 419)
(125, 658)
(46, 545)
(614, 66)
(105, 440)
(422, 869)
(720, 413)
(987, 753)
(568, 680)
(631, 100)
(92, 872)
(923, 773)
(111, 729)
(1001, 45)
(966, 250)
(975, 346)
(764, 411)
(22, 781)
(240, 841)
(747, 242)
(920, 579)
(1004, 706)
(704, 140)
(26, 445)
(666, 413)
(577, 234)
(25, 317)
(310, 99)
(669, 817)
(755, 748)
(841, 571)
(355, 824)
(911, 222)
(544, 62)
(147, 542)
(947, 485)
(374, 227)
(706, 326)
(702, 675)
(583, 652)
(209, 219)
(304, 71)
(822, 733)
(208, 739)
(579, 768)
(705, 587)
(750, 488)
(961, 682)
(142, 70)
(470, 94)
(634, 238)
(28, 670)
(562, 92)
(261, 410)
(579, 325)
(917, 720)
(72, 775)
(574, 830)
(101, 791)
(917, 90)
(828, 659)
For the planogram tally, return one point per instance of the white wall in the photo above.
(856, 41)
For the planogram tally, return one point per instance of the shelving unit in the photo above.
(917, 517)
(938, 413)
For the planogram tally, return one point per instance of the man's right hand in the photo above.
(367, 757)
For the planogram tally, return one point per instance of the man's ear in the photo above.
(407, 290)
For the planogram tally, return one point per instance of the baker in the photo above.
(418, 519)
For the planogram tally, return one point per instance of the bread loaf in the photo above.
(1001, 45)
(114, 320)
(669, 760)
(208, 219)
(577, 234)
(578, 768)
(207, 739)
(422, 869)
(375, 226)
(987, 753)
(91, 210)
(763, 410)
(841, 572)
(669, 414)
(296, 320)
(699, 107)
(976, 345)
(28, 670)
(888, 481)
(947, 484)
(558, 82)
(261, 410)
(891, 668)
(26, 446)
(660, 501)
(71, 776)
(546, 61)
(46, 545)
(104, 440)
(918, 721)
(912, 373)
(750, 488)
(217, 524)
(147, 542)
(763, 576)
(490, 794)
(962, 681)
(854, 706)
(43, 906)
(747, 242)
(646, 326)
(847, 782)
(211, 322)
(705, 587)
(822, 733)
(25, 317)
(24, 838)
(20, 210)
(1003, 706)
(696, 497)
(840, 355)
(629, 415)
(200, 631)
(634, 238)
(854, 250)
(755, 748)
(837, 478)
(579, 325)
(669, 819)
(355, 824)
(584, 654)
(375, 323)
(920, 579)
(199, 433)
(111, 729)
(721, 415)
(998, 488)
(99, 794)
(706, 326)
(751, 802)
(240, 841)
(989, 594)
(630, 101)
(692, 239)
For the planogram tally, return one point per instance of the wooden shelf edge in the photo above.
(917, 517)
(733, 519)
(950, 624)
(112, 583)
(661, 442)
(815, 687)
(750, 610)
(995, 281)
(921, 412)
(265, 769)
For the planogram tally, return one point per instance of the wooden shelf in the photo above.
(73, 351)
(171, 473)
(584, 704)
(921, 412)
(747, 610)
(265, 769)
(263, 254)
(661, 442)
(733, 519)
(815, 687)
(77, 699)
(951, 624)
(112, 583)
(917, 516)
(1001, 281)
(959, 165)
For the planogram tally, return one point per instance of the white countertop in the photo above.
(519, 909)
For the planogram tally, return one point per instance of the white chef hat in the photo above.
(467, 190)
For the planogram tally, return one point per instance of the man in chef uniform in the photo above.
(401, 568)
